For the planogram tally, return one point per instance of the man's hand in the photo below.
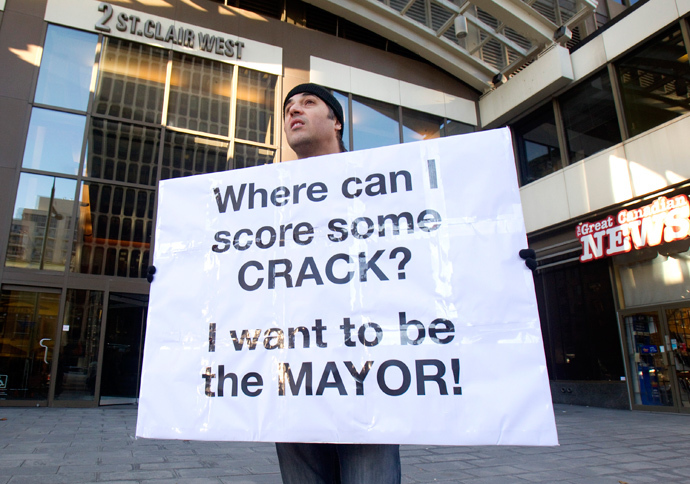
(530, 258)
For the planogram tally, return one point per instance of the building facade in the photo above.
(101, 100)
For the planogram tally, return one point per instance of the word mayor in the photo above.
(393, 377)
(664, 220)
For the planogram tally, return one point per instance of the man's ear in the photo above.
(338, 126)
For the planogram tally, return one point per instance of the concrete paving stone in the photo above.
(614, 450)
(639, 465)
(121, 459)
(186, 480)
(80, 469)
(445, 466)
(135, 475)
(674, 462)
(34, 470)
(439, 476)
(530, 466)
(212, 472)
(444, 458)
(266, 469)
(595, 471)
(261, 479)
(664, 454)
(72, 479)
(505, 470)
(412, 460)
(547, 449)
(173, 465)
(603, 480)
(192, 458)
(624, 458)
(546, 477)
(493, 480)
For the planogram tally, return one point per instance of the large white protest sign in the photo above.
(369, 297)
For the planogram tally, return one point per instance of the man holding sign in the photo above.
(344, 302)
(313, 123)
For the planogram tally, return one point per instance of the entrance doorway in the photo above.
(28, 327)
(657, 341)
(122, 353)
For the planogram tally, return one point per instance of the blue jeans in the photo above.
(339, 463)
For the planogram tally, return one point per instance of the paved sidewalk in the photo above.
(50, 445)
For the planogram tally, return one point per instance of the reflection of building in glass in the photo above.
(32, 244)
(114, 231)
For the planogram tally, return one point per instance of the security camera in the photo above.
(460, 24)
(563, 35)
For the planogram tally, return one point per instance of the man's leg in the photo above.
(369, 463)
(308, 463)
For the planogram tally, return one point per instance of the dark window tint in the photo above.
(589, 117)
(131, 81)
(537, 144)
(122, 152)
(113, 236)
(654, 82)
(187, 154)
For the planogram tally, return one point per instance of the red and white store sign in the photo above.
(665, 220)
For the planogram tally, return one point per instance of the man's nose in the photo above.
(294, 107)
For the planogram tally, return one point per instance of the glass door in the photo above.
(28, 324)
(657, 340)
(122, 352)
(648, 360)
(678, 320)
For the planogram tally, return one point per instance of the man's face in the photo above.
(308, 128)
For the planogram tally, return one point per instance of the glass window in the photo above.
(456, 127)
(537, 144)
(419, 126)
(256, 92)
(248, 155)
(654, 82)
(188, 154)
(200, 92)
(81, 333)
(41, 223)
(28, 322)
(122, 152)
(374, 124)
(66, 68)
(589, 117)
(54, 141)
(131, 81)
(343, 100)
(113, 236)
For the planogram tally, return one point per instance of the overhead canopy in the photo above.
(478, 41)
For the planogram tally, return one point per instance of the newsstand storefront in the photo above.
(615, 305)
(648, 241)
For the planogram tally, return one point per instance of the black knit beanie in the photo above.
(320, 92)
